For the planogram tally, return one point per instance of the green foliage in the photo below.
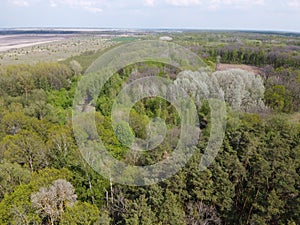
(275, 207)
(287, 77)
(89, 185)
(124, 133)
(25, 148)
(22, 79)
(11, 176)
(16, 207)
(138, 124)
(62, 150)
(278, 98)
(81, 214)
(172, 211)
(253, 180)
(61, 98)
(139, 212)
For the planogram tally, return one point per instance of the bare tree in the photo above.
(76, 67)
(51, 202)
(201, 214)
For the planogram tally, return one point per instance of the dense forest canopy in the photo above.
(253, 180)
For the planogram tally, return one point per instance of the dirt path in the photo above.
(253, 69)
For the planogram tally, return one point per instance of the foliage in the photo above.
(278, 97)
(253, 180)
(11, 176)
(17, 205)
(81, 213)
(124, 133)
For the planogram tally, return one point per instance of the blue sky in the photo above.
(202, 14)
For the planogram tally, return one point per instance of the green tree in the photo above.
(124, 133)
(11, 176)
(16, 207)
(139, 212)
(25, 148)
(81, 213)
(275, 207)
(278, 98)
(172, 211)
(62, 151)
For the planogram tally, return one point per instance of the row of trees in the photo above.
(246, 48)
(22, 79)
(286, 56)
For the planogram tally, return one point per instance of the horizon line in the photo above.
(150, 28)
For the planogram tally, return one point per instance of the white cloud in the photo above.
(20, 3)
(259, 2)
(183, 2)
(294, 3)
(88, 5)
(215, 4)
(53, 4)
(93, 9)
(149, 2)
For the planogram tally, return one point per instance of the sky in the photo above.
(275, 15)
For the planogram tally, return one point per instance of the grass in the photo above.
(124, 39)
(87, 58)
(294, 118)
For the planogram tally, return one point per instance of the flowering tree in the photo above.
(51, 202)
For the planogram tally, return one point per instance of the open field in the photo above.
(29, 46)
(19, 49)
(8, 42)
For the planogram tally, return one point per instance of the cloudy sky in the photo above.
(202, 14)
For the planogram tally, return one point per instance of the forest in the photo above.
(254, 179)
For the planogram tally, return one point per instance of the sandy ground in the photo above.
(34, 48)
(253, 69)
(8, 42)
